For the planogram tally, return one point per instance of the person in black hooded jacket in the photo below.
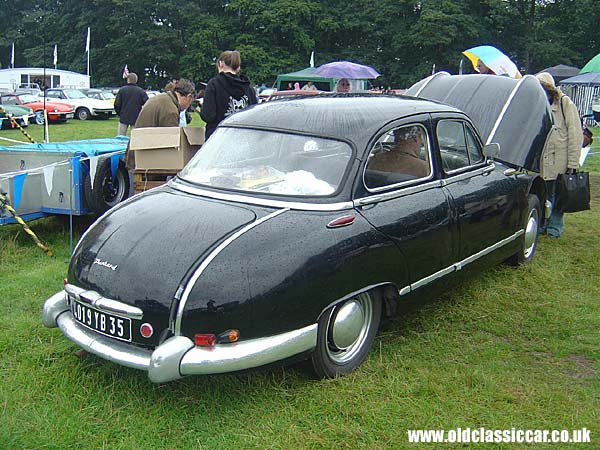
(227, 93)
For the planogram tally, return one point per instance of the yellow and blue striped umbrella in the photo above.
(494, 59)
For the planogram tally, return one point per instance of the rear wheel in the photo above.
(345, 335)
(532, 232)
(106, 191)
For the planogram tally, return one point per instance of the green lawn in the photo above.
(509, 348)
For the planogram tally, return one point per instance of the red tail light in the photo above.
(205, 340)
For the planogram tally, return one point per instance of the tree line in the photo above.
(402, 39)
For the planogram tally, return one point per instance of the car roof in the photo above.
(348, 116)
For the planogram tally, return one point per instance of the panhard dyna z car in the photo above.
(298, 225)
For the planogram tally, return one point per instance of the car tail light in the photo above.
(146, 330)
(65, 282)
(228, 336)
(205, 340)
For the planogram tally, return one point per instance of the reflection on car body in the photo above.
(273, 242)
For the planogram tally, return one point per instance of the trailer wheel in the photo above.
(106, 191)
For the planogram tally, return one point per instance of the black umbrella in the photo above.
(561, 72)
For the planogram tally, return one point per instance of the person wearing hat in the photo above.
(562, 149)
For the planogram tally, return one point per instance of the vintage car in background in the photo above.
(294, 231)
(21, 114)
(100, 94)
(84, 106)
(56, 111)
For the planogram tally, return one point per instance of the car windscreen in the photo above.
(269, 162)
(28, 98)
(75, 94)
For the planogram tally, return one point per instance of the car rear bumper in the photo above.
(178, 356)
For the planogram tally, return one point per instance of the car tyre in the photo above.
(83, 114)
(345, 335)
(106, 192)
(39, 117)
(532, 232)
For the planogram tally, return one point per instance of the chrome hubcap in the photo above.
(531, 233)
(348, 328)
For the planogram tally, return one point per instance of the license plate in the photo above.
(70, 116)
(107, 324)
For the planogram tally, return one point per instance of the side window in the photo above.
(400, 155)
(475, 155)
(458, 146)
(52, 94)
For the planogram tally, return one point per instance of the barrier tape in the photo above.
(16, 125)
(4, 204)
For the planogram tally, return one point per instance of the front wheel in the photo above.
(345, 335)
(531, 234)
(83, 114)
(39, 117)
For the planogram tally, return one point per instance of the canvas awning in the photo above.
(583, 89)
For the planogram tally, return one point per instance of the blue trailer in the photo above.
(70, 178)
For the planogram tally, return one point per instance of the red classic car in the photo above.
(57, 111)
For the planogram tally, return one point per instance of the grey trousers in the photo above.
(122, 129)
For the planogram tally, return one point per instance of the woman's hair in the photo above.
(231, 58)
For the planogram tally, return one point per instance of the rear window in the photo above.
(269, 162)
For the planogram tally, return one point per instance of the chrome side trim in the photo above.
(465, 176)
(108, 305)
(240, 198)
(395, 194)
(459, 265)
(504, 108)
(490, 249)
(433, 277)
(248, 354)
(212, 255)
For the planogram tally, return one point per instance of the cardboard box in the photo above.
(165, 147)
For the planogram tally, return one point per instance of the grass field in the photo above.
(509, 348)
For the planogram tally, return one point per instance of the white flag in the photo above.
(312, 59)
(12, 56)
(93, 166)
(55, 54)
(48, 178)
(87, 41)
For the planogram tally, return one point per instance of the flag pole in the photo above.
(87, 48)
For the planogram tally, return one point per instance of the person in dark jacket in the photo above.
(226, 93)
(128, 103)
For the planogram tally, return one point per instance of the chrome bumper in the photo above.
(178, 356)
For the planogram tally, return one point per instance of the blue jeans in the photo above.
(554, 225)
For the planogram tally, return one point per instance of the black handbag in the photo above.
(573, 192)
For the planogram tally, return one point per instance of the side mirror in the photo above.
(492, 150)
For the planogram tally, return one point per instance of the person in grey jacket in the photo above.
(563, 147)
(128, 104)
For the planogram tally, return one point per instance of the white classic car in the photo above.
(84, 106)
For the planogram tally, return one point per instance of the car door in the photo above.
(487, 209)
(413, 210)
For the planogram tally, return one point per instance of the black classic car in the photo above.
(298, 226)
